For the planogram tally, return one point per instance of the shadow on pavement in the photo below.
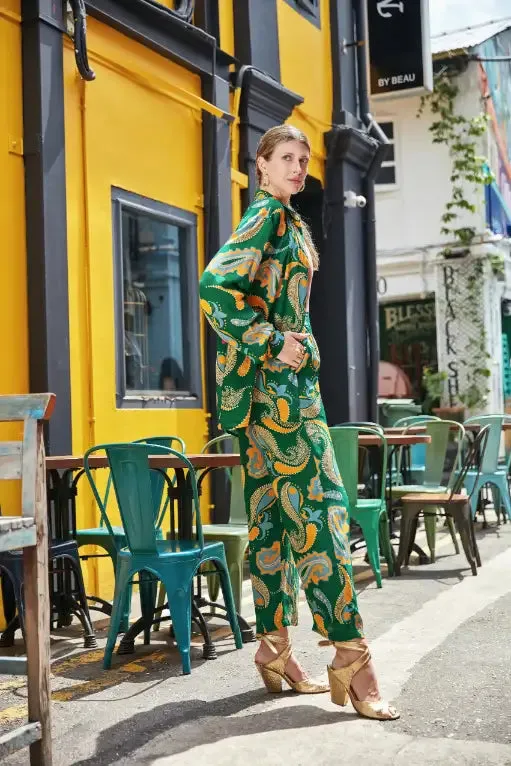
(211, 721)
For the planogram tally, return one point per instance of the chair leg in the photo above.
(475, 547)
(430, 527)
(452, 530)
(464, 530)
(180, 605)
(89, 637)
(159, 606)
(409, 514)
(122, 590)
(147, 587)
(369, 524)
(505, 497)
(386, 545)
(225, 581)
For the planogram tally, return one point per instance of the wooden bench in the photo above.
(25, 461)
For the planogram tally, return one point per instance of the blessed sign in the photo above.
(398, 47)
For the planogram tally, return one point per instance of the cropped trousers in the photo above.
(298, 527)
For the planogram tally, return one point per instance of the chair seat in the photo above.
(434, 498)
(420, 488)
(474, 472)
(184, 548)
(224, 530)
(369, 504)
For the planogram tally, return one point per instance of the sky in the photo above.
(453, 14)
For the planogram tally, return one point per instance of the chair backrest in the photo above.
(411, 419)
(130, 472)
(491, 456)
(346, 450)
(474, 457)
(361, 424)
(441, 432)
(237, 512)
(417, 451)
(24, 460)
(158, 479)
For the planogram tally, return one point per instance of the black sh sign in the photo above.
(398, 47)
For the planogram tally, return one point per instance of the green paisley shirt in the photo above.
(254, 289)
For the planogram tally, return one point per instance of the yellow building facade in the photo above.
(120, 188)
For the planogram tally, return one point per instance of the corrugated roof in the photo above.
(467, 37)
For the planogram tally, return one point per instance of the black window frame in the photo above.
(187, 221)
(309, 9)
(392, 163)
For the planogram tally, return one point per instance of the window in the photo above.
(386, 178)
(157, 313)
(307, 8)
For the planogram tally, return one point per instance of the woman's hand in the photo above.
(293, 350)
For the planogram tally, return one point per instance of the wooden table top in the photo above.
(199, 460)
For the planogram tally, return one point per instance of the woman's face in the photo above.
(286, 169)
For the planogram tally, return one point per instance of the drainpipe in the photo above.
(369, 213)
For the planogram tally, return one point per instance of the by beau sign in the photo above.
(398, 47)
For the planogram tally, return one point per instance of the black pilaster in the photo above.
(218, 228)
(339, 299)
(45, 209)
(264, 103)
(256, 35)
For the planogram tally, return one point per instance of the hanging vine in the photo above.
(468, 170)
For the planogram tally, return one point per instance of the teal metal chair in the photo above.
(112, 538)
(442, 433)
(491, 472)
(174, 562)
(417, 451)
(234, 534)
(369, 513)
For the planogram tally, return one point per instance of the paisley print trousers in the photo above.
(298, 529)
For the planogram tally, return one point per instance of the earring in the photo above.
(266, 179)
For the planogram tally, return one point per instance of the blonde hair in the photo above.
(274, 136)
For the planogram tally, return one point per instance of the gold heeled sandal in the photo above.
(274, 672)
(341, 689)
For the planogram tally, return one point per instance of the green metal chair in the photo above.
(174, 562)
(442, 432)
(234, 534)
(490, 471)
(417, 451)
(369, 513)
(112, 538)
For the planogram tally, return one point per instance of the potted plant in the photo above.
(434, 384)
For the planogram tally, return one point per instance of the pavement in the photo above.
(440, 639)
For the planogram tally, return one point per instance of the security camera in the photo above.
(354, 200)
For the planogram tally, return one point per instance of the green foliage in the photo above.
(461, 135)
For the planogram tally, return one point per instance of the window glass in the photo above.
(153, 275)
(387, 174)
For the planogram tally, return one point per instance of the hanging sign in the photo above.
(398, 47)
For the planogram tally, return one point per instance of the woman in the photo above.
(255, 294)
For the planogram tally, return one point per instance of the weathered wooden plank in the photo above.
(15, 533)
(23, 736)
(35, 406)
(13, 666)
(37, 609)
(10, 460)
(29, 468)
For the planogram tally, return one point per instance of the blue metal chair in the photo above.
(174, 562)
(112, 538)
(490, 471)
